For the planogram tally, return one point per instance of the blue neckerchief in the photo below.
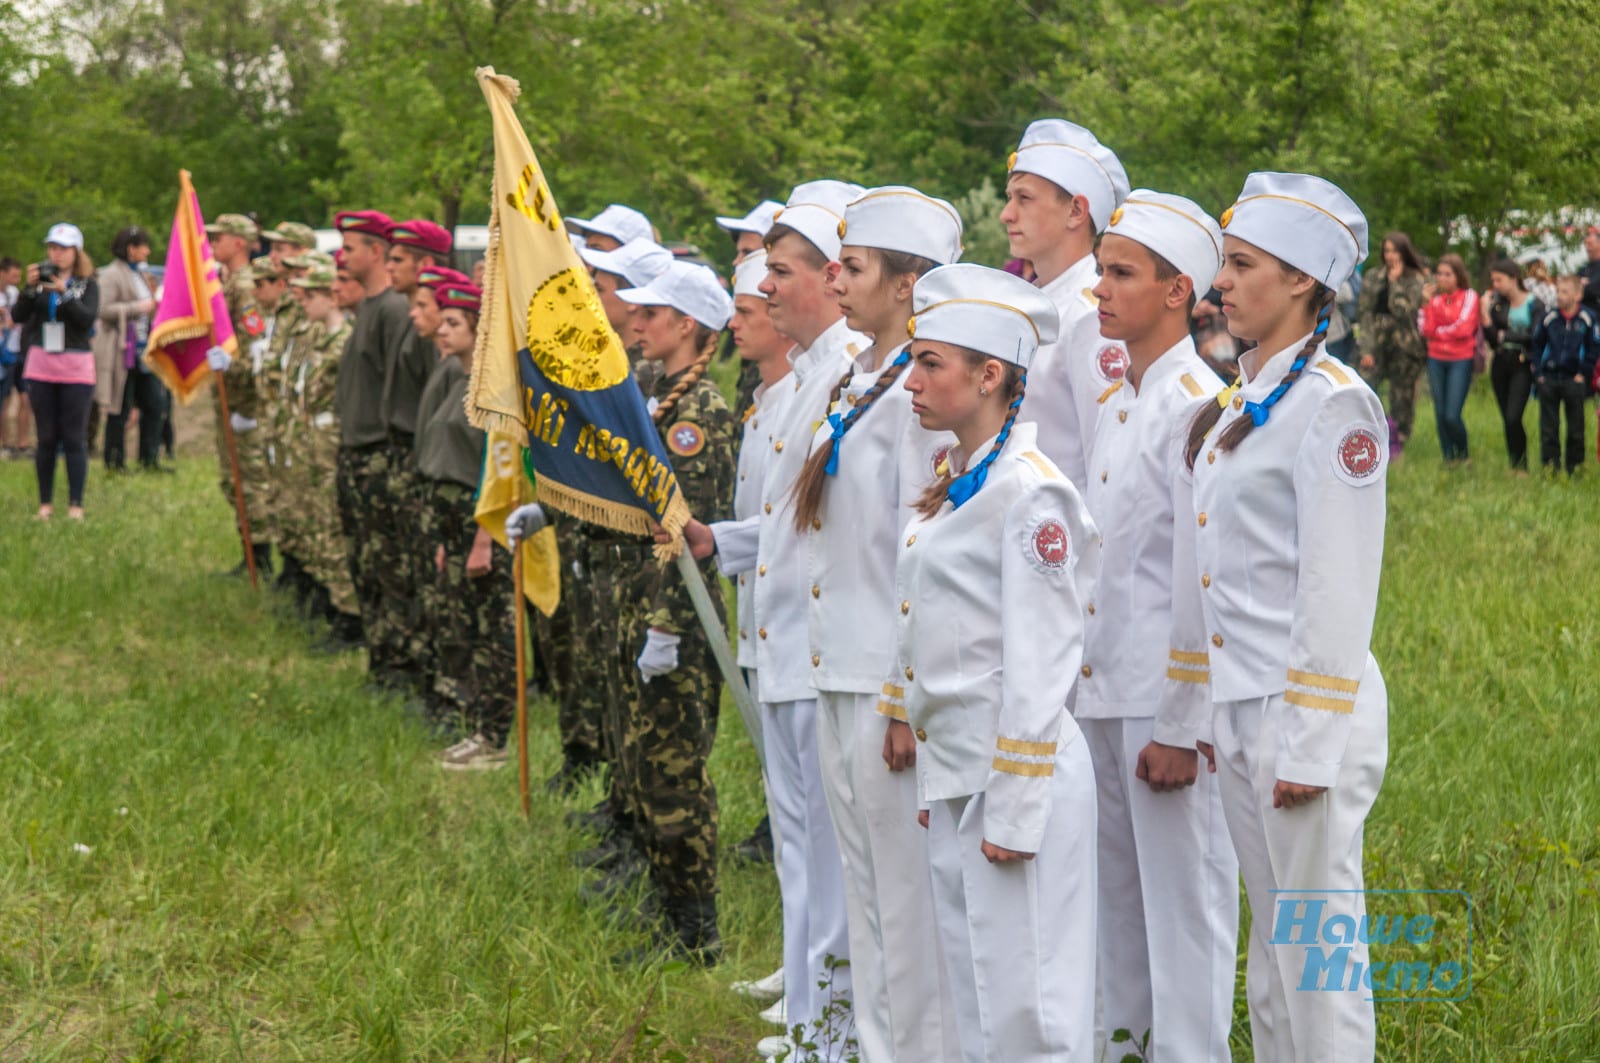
(841, 423)
(1260, 411)
(969, 483)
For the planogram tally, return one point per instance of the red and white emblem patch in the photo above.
(940, 461)
(1358, 456)
(253, 325)
(685, 439)
(1048, 545)
(1111, 362)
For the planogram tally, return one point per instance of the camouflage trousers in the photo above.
(599, 658)
(404, 568)
(557, 638)
(307, 516)
(1402, 365)
(254, 478)
(667, 729)
(362, 480)
(470, 620)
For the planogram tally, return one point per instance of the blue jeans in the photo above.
(1449, 382)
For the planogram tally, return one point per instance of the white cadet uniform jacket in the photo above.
(1145, 645)
(991, 636)
(1289, 542)
(886, 461)
(765, 547)
(1069, 376)
(755, 451)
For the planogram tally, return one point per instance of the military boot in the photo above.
(689, 932)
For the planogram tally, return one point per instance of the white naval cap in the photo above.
(986, 310)
(638, 261)
(898, 218)
(815, 209)
(620, 223)
(758, 221)
(688, 288)
(749, 273)
(1069, 156)
(1174, 228)
(1303, 220)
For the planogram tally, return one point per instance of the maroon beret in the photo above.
(458, 297)
(371, 222)
(421, 234)
(438, 276)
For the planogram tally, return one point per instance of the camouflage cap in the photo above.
(316, 277)
(233, 225)
(308, 260)
(264, 270)
(291, 232)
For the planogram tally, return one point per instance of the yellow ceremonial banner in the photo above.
(500, 492)
(548, 369)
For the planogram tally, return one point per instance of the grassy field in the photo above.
(217, 846)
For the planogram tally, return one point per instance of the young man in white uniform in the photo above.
(1169, 882)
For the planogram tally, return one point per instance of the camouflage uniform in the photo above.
(577, 715)
(397, 511)
(469, 618)
(240, 379)
(670, 722)
(1389, 333)
(310, 432)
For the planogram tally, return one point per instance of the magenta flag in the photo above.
(193, 316)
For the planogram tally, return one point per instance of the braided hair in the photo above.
(705, 341)
(958, 490)
(823, 462)
(1322, 298)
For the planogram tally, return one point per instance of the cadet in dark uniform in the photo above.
(671, 692)
(381, 323)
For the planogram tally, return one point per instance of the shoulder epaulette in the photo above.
(1041, 463)
(1335, 371)
(1191, 385)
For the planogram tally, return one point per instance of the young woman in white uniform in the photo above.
(1169, 882)
(1289, 481)
(870, 460)
(991, 579)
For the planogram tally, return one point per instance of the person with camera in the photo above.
(57, 309)
(122, 382)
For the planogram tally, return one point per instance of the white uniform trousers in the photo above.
(902, 999)
(1169, 903)
(1314, 847)
(752, 721)
(810, 880)
(1019, 937)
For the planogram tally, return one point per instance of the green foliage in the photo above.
(1425, 110)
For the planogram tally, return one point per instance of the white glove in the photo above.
(218, 359)
(241, 424)
(524, 523)
(660, 654)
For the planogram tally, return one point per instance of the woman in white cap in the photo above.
(1169, 882)
(57, 309)
(990, 581)
(1061, 188)
(870, 461)
(673, 692)
(1289, 474)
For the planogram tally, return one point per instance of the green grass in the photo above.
(279, 872)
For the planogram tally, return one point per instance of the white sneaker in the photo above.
(464, 748)
(776, 1047)
(476, 754)
(768, 988)
(778, 1014)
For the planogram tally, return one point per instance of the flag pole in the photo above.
(521, 615)
(238, 481)
(715, 634)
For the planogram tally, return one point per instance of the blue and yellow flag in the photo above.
(549, 365)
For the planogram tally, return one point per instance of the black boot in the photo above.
(610, 852)
(569, 776)
(689, 932)
(756, 849)
(624, 877)
(344, 634)
(263, 552)
(601, 819)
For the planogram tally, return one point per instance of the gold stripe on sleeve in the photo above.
(1185, 657)
(1027, 749)
(1184, 675)
(1017, 767)
(1325, 682)
(1317, 701)
(893, 711)
(892, 691)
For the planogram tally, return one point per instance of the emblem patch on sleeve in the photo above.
(1358, 456)
(1048, 548)
(685, 439)
(253, 325)
(1111, 362)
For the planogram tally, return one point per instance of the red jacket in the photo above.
(1450, 324)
